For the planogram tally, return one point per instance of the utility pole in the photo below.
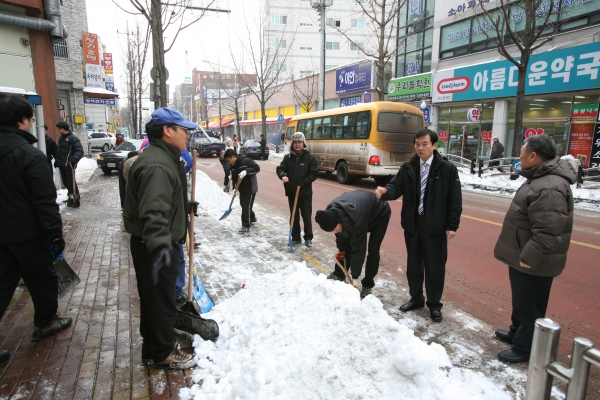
(321, 6)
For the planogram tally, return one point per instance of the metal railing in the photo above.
(61, 49)
(590, 174)
(543, 366)
(500, 166)
(461, 162)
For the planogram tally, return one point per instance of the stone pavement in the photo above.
(99, 356)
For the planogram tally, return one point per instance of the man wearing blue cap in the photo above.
(155, 215)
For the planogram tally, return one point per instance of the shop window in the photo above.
(538, 108)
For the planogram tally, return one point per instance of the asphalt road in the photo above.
(475, 281)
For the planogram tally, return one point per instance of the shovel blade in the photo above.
(201, 296)
(291, 244)
(67, 278)
(226, 214)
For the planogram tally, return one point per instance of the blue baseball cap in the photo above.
(164, 116)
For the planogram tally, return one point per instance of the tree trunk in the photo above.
(519, 106)
(264, 117)
(158, 56)
(381, 61)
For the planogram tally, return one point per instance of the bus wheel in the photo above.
(343, 176)
(382, 180)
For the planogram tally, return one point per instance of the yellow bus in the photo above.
(360, 141)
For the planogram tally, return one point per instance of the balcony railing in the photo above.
(61, 49)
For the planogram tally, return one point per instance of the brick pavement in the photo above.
(99, 356)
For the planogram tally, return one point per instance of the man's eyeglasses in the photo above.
(184, 129)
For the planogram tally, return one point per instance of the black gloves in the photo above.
(161, 258)
(57, 245)
(193, 206)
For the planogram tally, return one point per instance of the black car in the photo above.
(251, 148)
(109, 160)
(204, 144)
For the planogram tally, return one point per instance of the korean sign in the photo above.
(108, 65)
(353, 78)
(102, 102)
(595, 153)
(93, 75)
(91, 53)
(350, 101)
(574, 68)
(410, 87)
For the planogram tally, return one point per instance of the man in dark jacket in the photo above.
(68, 155)
(431, 208)
(534, 241)
(497, 152)
(299, 169)
(244, 167)
(351, 216)
(263, 147)
(226, 170)
(31, 225)
(155, 215)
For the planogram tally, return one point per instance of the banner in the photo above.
(580, 142)
(91, 53)
(93, 75)
(353, 78)
(108, 64)
(410, 87)
(101, 102)
(595, 153)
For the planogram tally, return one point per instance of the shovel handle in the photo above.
(191, 230)
(343, 268)
(295, 205)
(235, 191)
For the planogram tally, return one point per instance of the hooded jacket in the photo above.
(69, 150)
(302, 170)
(359, 211)
(443, 197)
(537, 227)
(249, 184)
(28, 208)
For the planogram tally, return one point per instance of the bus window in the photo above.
(363, 125)
(301, 125)
(290, 132)
(337, 126)
(318, 129)
(349, 126)
(326, 128)
(399, 123)
(308, 129)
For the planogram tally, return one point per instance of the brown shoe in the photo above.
(59, 324)
(177, 360)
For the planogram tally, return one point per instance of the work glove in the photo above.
(193, 206)
(57, 245)
(340, 256)
(242, 174)
(161, 258)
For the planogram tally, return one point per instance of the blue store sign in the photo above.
(575, 68)
(353, 78)
(350, 101)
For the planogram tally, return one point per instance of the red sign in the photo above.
(443, 135)
(91, 53)
(486, 136)
(529, 132)
(108, 65)
(580, 142)
(473, 114)
(63, 114)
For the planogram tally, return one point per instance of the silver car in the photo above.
(102, 140)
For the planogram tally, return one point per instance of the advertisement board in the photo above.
(353, 78)
(93, 75)
(350, 101)
(410, 87)
(108, 64)
(595, 153)
(101, 102)
(574, 68)
(91, 53)
(580, 142)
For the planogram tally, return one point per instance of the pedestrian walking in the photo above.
(535, 239)
(31, 234)
(299, 168)
(226, 170)
(228, 143)
(351, 216)
(263, 147)
(51, 149)
(245, 169)
(236, 143)
(155, 215)
(431, 208)
(119, 139)
(497, 152)
(68, 154)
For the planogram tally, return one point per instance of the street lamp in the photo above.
(321, 6)
(423, 105)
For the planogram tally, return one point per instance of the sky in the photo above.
(208, 39)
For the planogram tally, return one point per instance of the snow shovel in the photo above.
(232, 198)
(67, 278)
(75, 199)
(188, 319)
(292, 219)
(343, 268)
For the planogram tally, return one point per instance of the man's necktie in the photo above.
(423, 184)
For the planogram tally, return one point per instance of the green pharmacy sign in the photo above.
(410, 87)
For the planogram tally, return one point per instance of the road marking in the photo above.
(311, 260)
(481, 220)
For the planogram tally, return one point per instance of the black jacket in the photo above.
(51, 149)
(497, 151)
(443, 198)
(263, 144)
(301, 171)
(249, 184)
(359, 211)
(69, 150)
(28, 208)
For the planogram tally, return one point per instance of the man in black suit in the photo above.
(431, 208)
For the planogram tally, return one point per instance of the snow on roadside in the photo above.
(85, 169)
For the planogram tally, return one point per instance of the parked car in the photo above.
(205, 145)
(102, 140)
(109, 160)
(251, 148)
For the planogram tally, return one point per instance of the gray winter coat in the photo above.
(538, 225)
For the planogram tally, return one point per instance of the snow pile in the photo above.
(85, 169)
(296, 335)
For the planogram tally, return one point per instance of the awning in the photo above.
(99, 93)
(270, 121)
(223, 124)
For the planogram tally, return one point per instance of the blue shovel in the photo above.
(292, 219)
(234, 193)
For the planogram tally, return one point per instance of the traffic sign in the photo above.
(280, 119)
(154, 74)
(516, 165)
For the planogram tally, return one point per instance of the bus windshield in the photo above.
(399, 122)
